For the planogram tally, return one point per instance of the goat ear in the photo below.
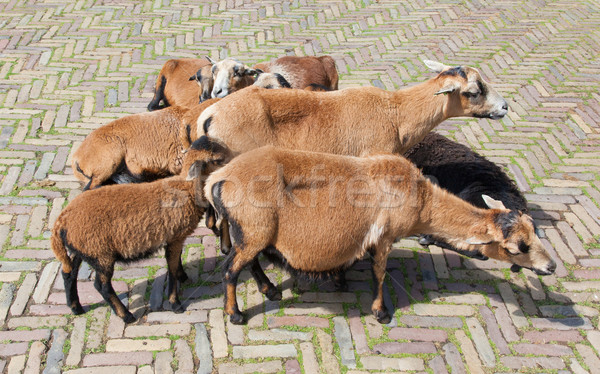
(258, 72)
(436, 67)
(210, 60)
(196, 170)
(492, 203)
(250, 71)
(475, 241)
(197, 76)
(447, 89)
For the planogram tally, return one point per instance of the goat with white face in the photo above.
(230, 75)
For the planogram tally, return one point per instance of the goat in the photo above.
(135, 148)
(189, 131)
(301, 72)
(132, 221)
(230, 75)
(321, 212)
(352, 121)
(466, 174)
(174, 87)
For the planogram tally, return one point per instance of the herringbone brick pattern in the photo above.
(67, 67)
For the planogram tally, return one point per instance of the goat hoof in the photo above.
(128, 318)
(77, 309)
(182, 277)
(383, 317)
(273, 294)
(425, 241)
(236, 318)
(341, 287)
(177, 308)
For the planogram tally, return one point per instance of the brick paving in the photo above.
(69, 67)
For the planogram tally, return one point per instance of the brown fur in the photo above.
(322, 212)
(352, 121)
(177, 89)
(301, 72)
(131, 221)
(146, 144)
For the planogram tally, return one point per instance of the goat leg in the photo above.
(379, 265)
(70, 280)
(225, 238)
(264, 284)
(173, 254)
(104, 286)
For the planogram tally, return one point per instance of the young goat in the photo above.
(352, 121)
(174, 87)
(230, 75)
(132, 221)
(468, 175)
(321, 212)
(136, 148)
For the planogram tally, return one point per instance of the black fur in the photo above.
(507, 220)
(206, 144)
(282, 81)
(319, 87)
(197, 76)
(457, 70)
(273, 255)
(465, 173)
(236, 230)
(188, 130)
(160, 95)
(206, 125)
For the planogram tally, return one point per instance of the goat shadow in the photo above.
(411, 280)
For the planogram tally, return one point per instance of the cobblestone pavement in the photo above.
(67, 67)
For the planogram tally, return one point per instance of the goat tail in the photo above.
(58, 242)
(159, 94)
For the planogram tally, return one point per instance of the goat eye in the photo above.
(470, 95)
(523, 248)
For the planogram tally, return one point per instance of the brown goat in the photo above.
(132, 221)
(135, 148)
(301, 72)
(175, 88)
(352, 121)
(321, 212)
(230, 75)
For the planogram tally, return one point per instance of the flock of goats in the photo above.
(284, 164)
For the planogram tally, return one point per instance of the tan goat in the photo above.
(321, 212)
(174, 86)
(351, 121)
(135, 148)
